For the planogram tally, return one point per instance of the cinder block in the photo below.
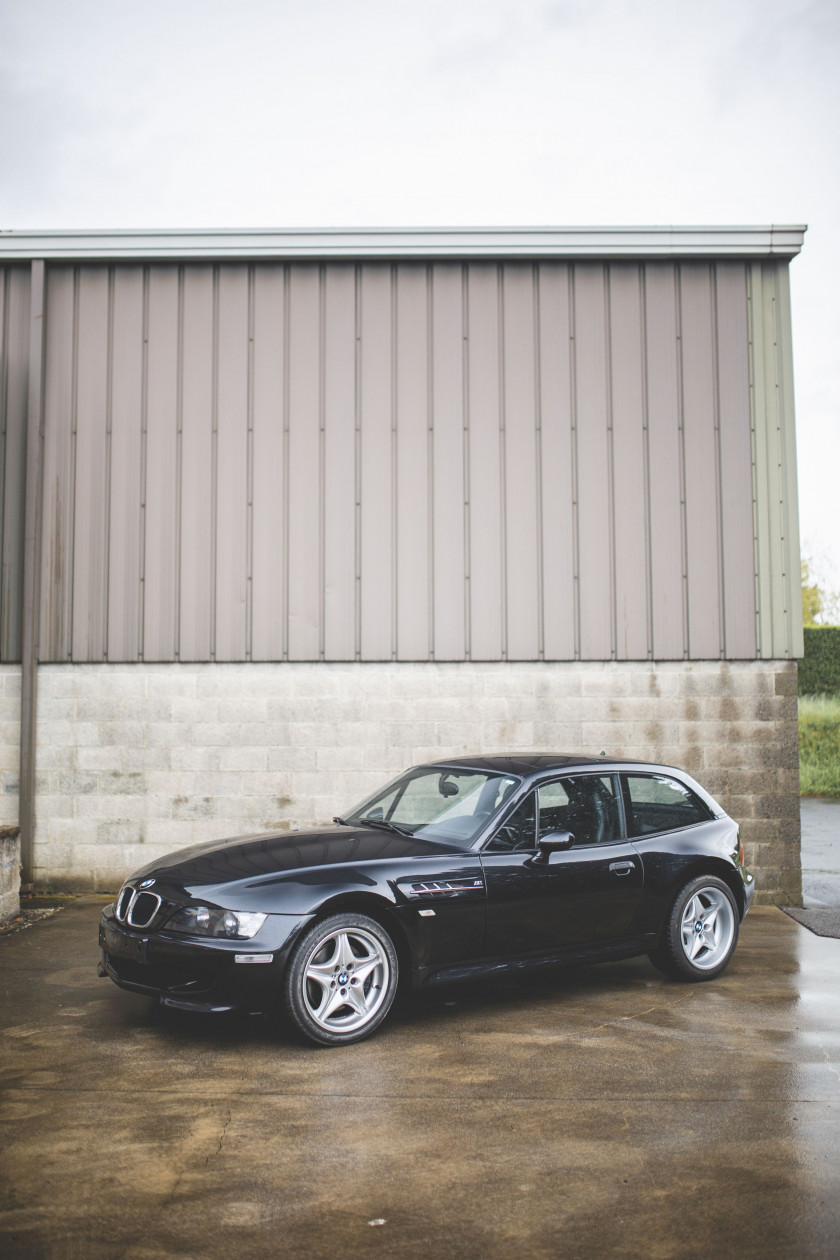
(94, 758)
(251, 759)
(251, 710)
(11, 680)
(187, 757)
(73, 783)
(169, 782)
(146, 758)
(786, 681)
(116, 807)
(657, 682)
(605, 681)
(212, 734)
(57, 710)
(121, 733)
(191, 807)
(167, 735)
(290, 758)
(121, 834)
(170, 681)
(194, 709)
(57, 682)
(558, 736)
(9, 758)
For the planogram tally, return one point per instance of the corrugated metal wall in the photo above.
(412, 461)
(14, 387)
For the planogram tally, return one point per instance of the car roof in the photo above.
(533, 763)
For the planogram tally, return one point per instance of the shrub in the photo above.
(819, 670)
(819, 745)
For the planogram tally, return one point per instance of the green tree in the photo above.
(811, 597)
(820, 607)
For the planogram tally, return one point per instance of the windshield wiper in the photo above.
(383, 825)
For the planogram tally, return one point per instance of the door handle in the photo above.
(622, 868)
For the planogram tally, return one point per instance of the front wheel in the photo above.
(341, 979)
(700, 933)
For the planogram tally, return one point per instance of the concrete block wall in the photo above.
(9, 742)
(9, 872)
(137, 760)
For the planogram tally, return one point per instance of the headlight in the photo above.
(233, 925)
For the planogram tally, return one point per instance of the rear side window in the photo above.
(656, 802)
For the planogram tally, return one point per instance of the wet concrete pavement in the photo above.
(598, 1112)
(820, 818)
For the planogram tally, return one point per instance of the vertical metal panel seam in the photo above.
(249, 464)
(5, 282)
(144, 430)
(772, 461)
(357, 418)
(109, 425)
(784, 536)
(782, 520)
(322, 460)
(763, 486)
(608, 371)
(179, 463)
(681, 445)
(430, 455)
(718, 470)
(287, 375)
(33, 530)
(754, 454)
(465, 403)
(574, 453)
(70, 552)
(538, 442)
(503, 548)
(214, 464)
(395, 524)
(644, 351)
(793, 630)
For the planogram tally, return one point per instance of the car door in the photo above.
(585, 895)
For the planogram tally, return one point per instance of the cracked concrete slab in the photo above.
(591, 1112)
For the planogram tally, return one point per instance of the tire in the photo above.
(700, 932)
(346, 956)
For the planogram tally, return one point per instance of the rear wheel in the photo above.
(700, 933)
(341, 979)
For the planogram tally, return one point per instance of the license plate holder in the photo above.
(130, 947)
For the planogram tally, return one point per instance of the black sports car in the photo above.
(469, 867)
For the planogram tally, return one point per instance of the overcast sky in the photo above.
(319, 113)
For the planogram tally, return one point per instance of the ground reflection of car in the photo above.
(468, 868)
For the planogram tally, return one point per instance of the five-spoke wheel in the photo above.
(701, 931)
(341, 979)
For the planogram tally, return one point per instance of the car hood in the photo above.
(249, 863)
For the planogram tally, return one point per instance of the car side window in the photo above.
(519, 832)
(656, 802)
(585, 804)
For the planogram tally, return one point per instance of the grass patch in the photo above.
(819, 745)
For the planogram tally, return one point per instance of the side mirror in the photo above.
(553, 842)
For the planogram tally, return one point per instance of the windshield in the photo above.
(437, 804)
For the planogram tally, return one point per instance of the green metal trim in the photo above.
(776, 508)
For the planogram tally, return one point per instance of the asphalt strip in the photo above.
(821, 922)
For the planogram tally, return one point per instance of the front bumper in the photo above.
(197, 975)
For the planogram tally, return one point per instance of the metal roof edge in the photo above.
(782, 241)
